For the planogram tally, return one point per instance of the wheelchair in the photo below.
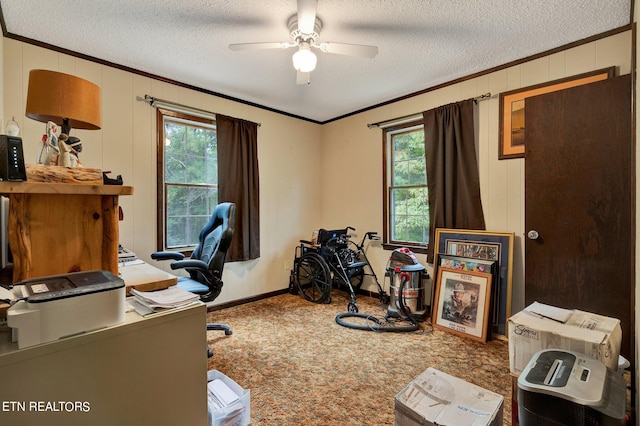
(334, 260)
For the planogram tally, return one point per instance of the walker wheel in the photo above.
(352, 307)
(385, 299)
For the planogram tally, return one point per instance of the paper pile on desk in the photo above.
(172, 297)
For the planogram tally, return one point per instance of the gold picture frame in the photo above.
(462, 303)
(512, 104)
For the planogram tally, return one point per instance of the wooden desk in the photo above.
(145, 277)
(145, 371)
(57, 228)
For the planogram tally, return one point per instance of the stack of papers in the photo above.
(220, 395)
(172, 297)
(127, 257)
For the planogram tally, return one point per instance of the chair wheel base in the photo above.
(220, 327)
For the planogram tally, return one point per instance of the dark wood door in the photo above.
(579, 166)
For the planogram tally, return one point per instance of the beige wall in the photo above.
(288, 153)
(350, 146)
(311, 176)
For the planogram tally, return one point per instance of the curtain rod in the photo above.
(173, 106)
(414, 117)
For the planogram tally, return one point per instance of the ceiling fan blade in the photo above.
(307, 15)
(348, 49)
(303, 78)
(261, 46)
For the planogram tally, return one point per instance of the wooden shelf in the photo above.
(7, 188)
(58, 228)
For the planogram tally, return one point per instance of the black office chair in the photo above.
(207, 260)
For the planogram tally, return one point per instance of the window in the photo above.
(187, 178)
(406, 196)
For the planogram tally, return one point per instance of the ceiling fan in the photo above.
(304, 30)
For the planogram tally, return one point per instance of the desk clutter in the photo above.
(49, 308)
(127, 257)
(146, 302)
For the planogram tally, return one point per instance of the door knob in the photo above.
(533, 234)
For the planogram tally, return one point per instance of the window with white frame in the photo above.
(187, 178)
(406, 196)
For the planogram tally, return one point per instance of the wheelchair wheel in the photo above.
(313, 278)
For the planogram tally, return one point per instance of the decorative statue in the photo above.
(64, 156)
(76, 148)
(49, 144)
(59, 149)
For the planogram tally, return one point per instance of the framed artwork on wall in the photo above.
(486, 245)
(462, 303)
(512, 104)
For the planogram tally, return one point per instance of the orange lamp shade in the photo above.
(58, 97)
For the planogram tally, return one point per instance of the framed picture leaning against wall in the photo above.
(462, 303)
(487, 245)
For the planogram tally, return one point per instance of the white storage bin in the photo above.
(235, 414)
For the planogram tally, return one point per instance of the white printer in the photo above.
(53, 307)
(559, 387)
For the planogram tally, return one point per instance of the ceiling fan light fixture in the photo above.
(304, 60)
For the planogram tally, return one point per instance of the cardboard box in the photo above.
(541, 326)
(235, 414)
(435, 398)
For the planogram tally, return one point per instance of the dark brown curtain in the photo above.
(452, 170)
(238, 183)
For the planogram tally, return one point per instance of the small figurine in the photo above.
(59, 149)
(68, 148)
(76, 148)
(64, 156)
(48, 151)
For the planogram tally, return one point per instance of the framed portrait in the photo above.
(512, 105)
(462, 303)
(486, 245)
(468, 264)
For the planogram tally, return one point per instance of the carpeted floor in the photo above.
(304, 369)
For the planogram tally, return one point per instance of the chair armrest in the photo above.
(167, 255)
(190, 264)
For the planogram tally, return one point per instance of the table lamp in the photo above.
(67, 100)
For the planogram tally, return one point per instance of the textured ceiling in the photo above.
(422, 43)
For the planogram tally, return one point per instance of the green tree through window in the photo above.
(189, 179)
(406, 195)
